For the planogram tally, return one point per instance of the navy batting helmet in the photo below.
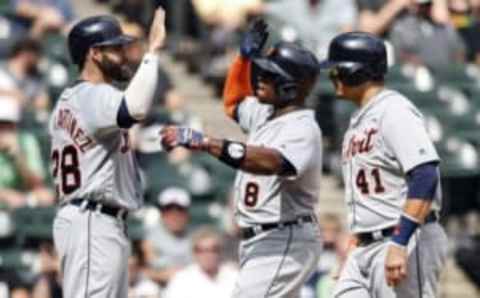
(95, 31)
(357, 57)
(288, 64)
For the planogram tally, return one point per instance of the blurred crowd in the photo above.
(184, 242)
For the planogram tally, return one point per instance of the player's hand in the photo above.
(174, 136)
(158, 33)
(254, 39)
(396, 265)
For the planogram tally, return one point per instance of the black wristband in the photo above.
(233, 153)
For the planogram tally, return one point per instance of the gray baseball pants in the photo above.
(93, 250)
(277, 263)
(363, 275)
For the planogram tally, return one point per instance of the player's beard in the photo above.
(115, 71)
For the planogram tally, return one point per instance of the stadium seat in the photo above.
(33, 224)
(455, 75)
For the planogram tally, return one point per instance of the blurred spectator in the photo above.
(167, 246)
(140, 286)
(20, 291)
(231, 234)
(315, 22)
(20, 79)
(47, 283)
(331, 232)
(40, 16)
(468, 26)
(230, 14)
(331, 229)
(377, 16)
(326, 282)
(467, 259)
(22, 174)
(420, 40)
(208, 276)
(136, 11)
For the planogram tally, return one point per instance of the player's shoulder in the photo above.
(396, 102)
(302, 122)
(98, 88)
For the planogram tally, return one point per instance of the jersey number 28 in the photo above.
(66, 164)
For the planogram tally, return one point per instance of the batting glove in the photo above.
(254, 39)
(174, 136)
(189, 138)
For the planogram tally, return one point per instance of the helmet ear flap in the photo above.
(287, 91)
(352, 74)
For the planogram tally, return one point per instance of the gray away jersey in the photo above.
(385, 139)
(91, 158)
(271, 198)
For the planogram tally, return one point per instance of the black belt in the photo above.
(247, 233)
(368, 238)
(116, 212)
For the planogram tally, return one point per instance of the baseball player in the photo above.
(279, 167)
(391, 175)
(94, 170)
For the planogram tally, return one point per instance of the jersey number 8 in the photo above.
(251, 194)
(66, 164)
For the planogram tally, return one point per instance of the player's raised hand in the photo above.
(158, 33)
(174, 136)
(396, 265)
(254, 39)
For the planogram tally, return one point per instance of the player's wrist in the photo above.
(233, 153)
(404, 231)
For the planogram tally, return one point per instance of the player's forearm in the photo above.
(237, 85)
(422, 184)
(257, 160)
(140, 92)
(417, 208)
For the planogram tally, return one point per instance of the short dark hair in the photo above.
(25, 45)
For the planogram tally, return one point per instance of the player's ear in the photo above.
(95, 54)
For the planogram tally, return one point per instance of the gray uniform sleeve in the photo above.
(405, 135)
(297, 143)
(102, 109)
(251, 113)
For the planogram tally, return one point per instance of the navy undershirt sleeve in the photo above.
(422, 181)
(124, 119)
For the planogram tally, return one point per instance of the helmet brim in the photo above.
(327, 65)
(268, 65)
(117, 41)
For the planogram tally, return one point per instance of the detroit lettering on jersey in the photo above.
(359, 144)
(66, 120)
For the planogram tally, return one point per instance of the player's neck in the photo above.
(369, 94)
(92, 74)
(279, 111)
